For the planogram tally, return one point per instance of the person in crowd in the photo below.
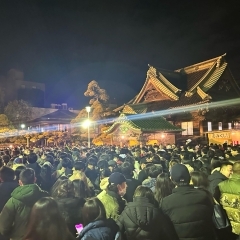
(142, 219)
(104, 178)
(15, 213)
(7, 184)
(188, 205)
(142, 175)
(69, 205)
(90, 171)
(218, 176)
(46, 177)
(78, 174)
(18, 171)
(32, 163)
(153, 172)
(65, 169)
(46, 222)
(235, 151)
(230, 197)
(112, 197)
(132, 184)
(163, 187)
(81, 189)
(96, 224)
(199, 180)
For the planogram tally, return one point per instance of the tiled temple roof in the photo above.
(143, 123)
(196, 81)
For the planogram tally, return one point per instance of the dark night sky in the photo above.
(66, 44)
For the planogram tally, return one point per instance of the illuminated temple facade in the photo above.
(183, 98)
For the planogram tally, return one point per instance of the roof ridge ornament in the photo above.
(202, 94)
(152, 72)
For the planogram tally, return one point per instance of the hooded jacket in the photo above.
(142, 220)
(14, 216)
(100, 230)
(113, 203)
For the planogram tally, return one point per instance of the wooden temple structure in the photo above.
(180, 99)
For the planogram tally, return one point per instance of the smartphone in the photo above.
(79, 227)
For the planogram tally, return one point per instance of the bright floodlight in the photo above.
(88, 109)
(86, 123)
(22, 126)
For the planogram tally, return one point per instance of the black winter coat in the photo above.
(142, 220)
(132, 184)
(100, 230)
(191, 212)
(71, 209)
(6, 189)
(214, 179)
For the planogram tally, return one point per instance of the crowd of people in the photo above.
(129, 193)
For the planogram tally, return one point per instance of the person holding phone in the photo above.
(96, 225)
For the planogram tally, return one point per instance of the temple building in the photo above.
(186, 98)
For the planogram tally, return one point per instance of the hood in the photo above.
(216, 175)
(149, 182)
(108, 223)
(104, 183)
(28, 194)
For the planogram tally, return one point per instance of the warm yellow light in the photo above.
(88, 109)
(86, 123)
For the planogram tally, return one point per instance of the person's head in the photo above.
(66, 162)
(92, 211)
(236, 168)
(102, 164)
(180, 175)
(143, 162)
(112, 165)
(155, 170)
(46, 221)
(27, 176)
(226, 169)
(199, 179)
(127, 169)
(91, 163)
(172, 163)
(146, 192)
(80, 189)
(215, 163)
(197, 164)
(46, 173)
(79, 166)
(18, 171)
(117, 183)
(65, 189)
(32, 158)
(6, 174)
(49, 158)
(164, 186)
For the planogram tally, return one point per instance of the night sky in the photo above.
(66, 44)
